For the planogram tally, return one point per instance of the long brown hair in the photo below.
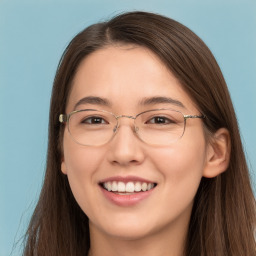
(223, 217)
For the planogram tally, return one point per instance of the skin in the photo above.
(157, 225)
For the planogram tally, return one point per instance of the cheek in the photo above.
(181, 166)
(80, 160)
(81, 164)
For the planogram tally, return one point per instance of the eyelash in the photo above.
(160, 117)
(85, 121)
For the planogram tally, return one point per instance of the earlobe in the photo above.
(63, 167)
(218, 154)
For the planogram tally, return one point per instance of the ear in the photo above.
(218, 154)
(63, 166)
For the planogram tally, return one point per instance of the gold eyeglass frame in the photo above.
(64, 118)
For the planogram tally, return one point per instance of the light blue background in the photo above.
(33, 35)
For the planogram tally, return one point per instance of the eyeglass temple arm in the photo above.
(63, 118)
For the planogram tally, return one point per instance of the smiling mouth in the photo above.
(126, 188)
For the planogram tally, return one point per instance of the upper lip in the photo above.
(125, 179)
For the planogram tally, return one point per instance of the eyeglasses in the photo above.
(91, 127)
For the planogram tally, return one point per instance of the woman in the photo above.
(144, 155)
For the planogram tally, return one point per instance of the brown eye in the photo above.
(160, 120)
(94, 120)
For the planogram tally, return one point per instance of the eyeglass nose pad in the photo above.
(115, 128)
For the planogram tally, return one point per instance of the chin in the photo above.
(129, 227)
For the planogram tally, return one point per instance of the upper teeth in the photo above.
(119, 186)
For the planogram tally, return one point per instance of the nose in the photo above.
(126, 148)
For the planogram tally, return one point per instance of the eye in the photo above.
(94, 120)
(160, 120)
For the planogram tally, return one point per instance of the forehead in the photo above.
(125, 76)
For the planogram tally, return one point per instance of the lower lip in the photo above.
(126, 200)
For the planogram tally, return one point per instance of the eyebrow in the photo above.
(94, 101)
(161, 100)
(144, 102)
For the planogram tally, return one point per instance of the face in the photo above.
(125, 76)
